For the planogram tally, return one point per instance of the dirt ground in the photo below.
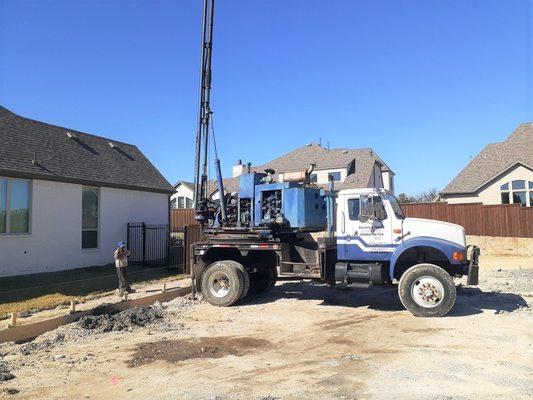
(302, 340)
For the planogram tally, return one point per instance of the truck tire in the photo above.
(245, 276)
(274, 277)
(222, 284)
(427, 290)
(263, 280)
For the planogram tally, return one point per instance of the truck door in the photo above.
(367, 232)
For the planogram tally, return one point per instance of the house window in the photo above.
(313, 177)
(14, 205)
(517, 192)
(505, 198)
(181, 202)
(89, 227)
(336, 176)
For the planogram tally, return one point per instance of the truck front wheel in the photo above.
(222, 284)
(427, 290)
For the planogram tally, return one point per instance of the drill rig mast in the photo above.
(201, 202)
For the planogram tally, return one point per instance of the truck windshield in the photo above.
(395, 206)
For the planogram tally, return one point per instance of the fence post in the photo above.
(144, 244)
(128, 236)
(169, 238)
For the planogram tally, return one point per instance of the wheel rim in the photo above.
(427, 292)
(219, 284)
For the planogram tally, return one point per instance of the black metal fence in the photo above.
(155, 245)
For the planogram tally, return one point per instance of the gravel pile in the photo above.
(179, 304)
(124, 320)
(507, 280)
(4, 369)
(45, 343)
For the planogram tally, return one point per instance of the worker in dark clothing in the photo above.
(121, 265)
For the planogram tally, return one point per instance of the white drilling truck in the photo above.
(268, 231)
(371, 243)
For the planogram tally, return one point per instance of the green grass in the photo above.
(48, 290)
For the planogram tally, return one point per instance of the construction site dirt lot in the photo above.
(302, 340)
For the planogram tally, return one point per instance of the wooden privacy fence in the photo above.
(182, 217)
(508, 220)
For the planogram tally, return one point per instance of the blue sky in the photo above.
(426, 84)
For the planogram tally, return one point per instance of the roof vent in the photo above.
(112, 145)
(71, 135)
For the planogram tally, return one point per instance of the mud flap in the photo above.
(473, 265)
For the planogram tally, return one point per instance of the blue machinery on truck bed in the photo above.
(285, 207)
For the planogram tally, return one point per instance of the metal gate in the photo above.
(148, 243)
(157, 245)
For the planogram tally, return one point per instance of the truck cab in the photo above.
(377, 243)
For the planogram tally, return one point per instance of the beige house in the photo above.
(501, 174)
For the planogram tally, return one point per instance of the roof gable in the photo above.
(494, 159)
(35, 149)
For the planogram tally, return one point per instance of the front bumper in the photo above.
(472, 269)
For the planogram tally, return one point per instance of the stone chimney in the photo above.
(238, 168)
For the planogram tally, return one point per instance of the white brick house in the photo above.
(66, 196)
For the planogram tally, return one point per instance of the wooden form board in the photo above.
(32, 330)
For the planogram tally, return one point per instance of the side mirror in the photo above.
(367, 211)
(379, 211)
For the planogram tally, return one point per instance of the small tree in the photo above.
(403, 198)
(427, 196)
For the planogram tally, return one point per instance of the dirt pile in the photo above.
(124, 320)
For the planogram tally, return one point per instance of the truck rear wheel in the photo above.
(222, 283)
(427, 290)
(245, 276)
(263, 280)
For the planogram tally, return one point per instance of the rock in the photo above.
(7, 376)
(351, 357)
(4, 369)
(10, 390)
(59, 357)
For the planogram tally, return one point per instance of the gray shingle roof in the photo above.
(494, 159)
(360, 163)
(84, 158)
(187, 184)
